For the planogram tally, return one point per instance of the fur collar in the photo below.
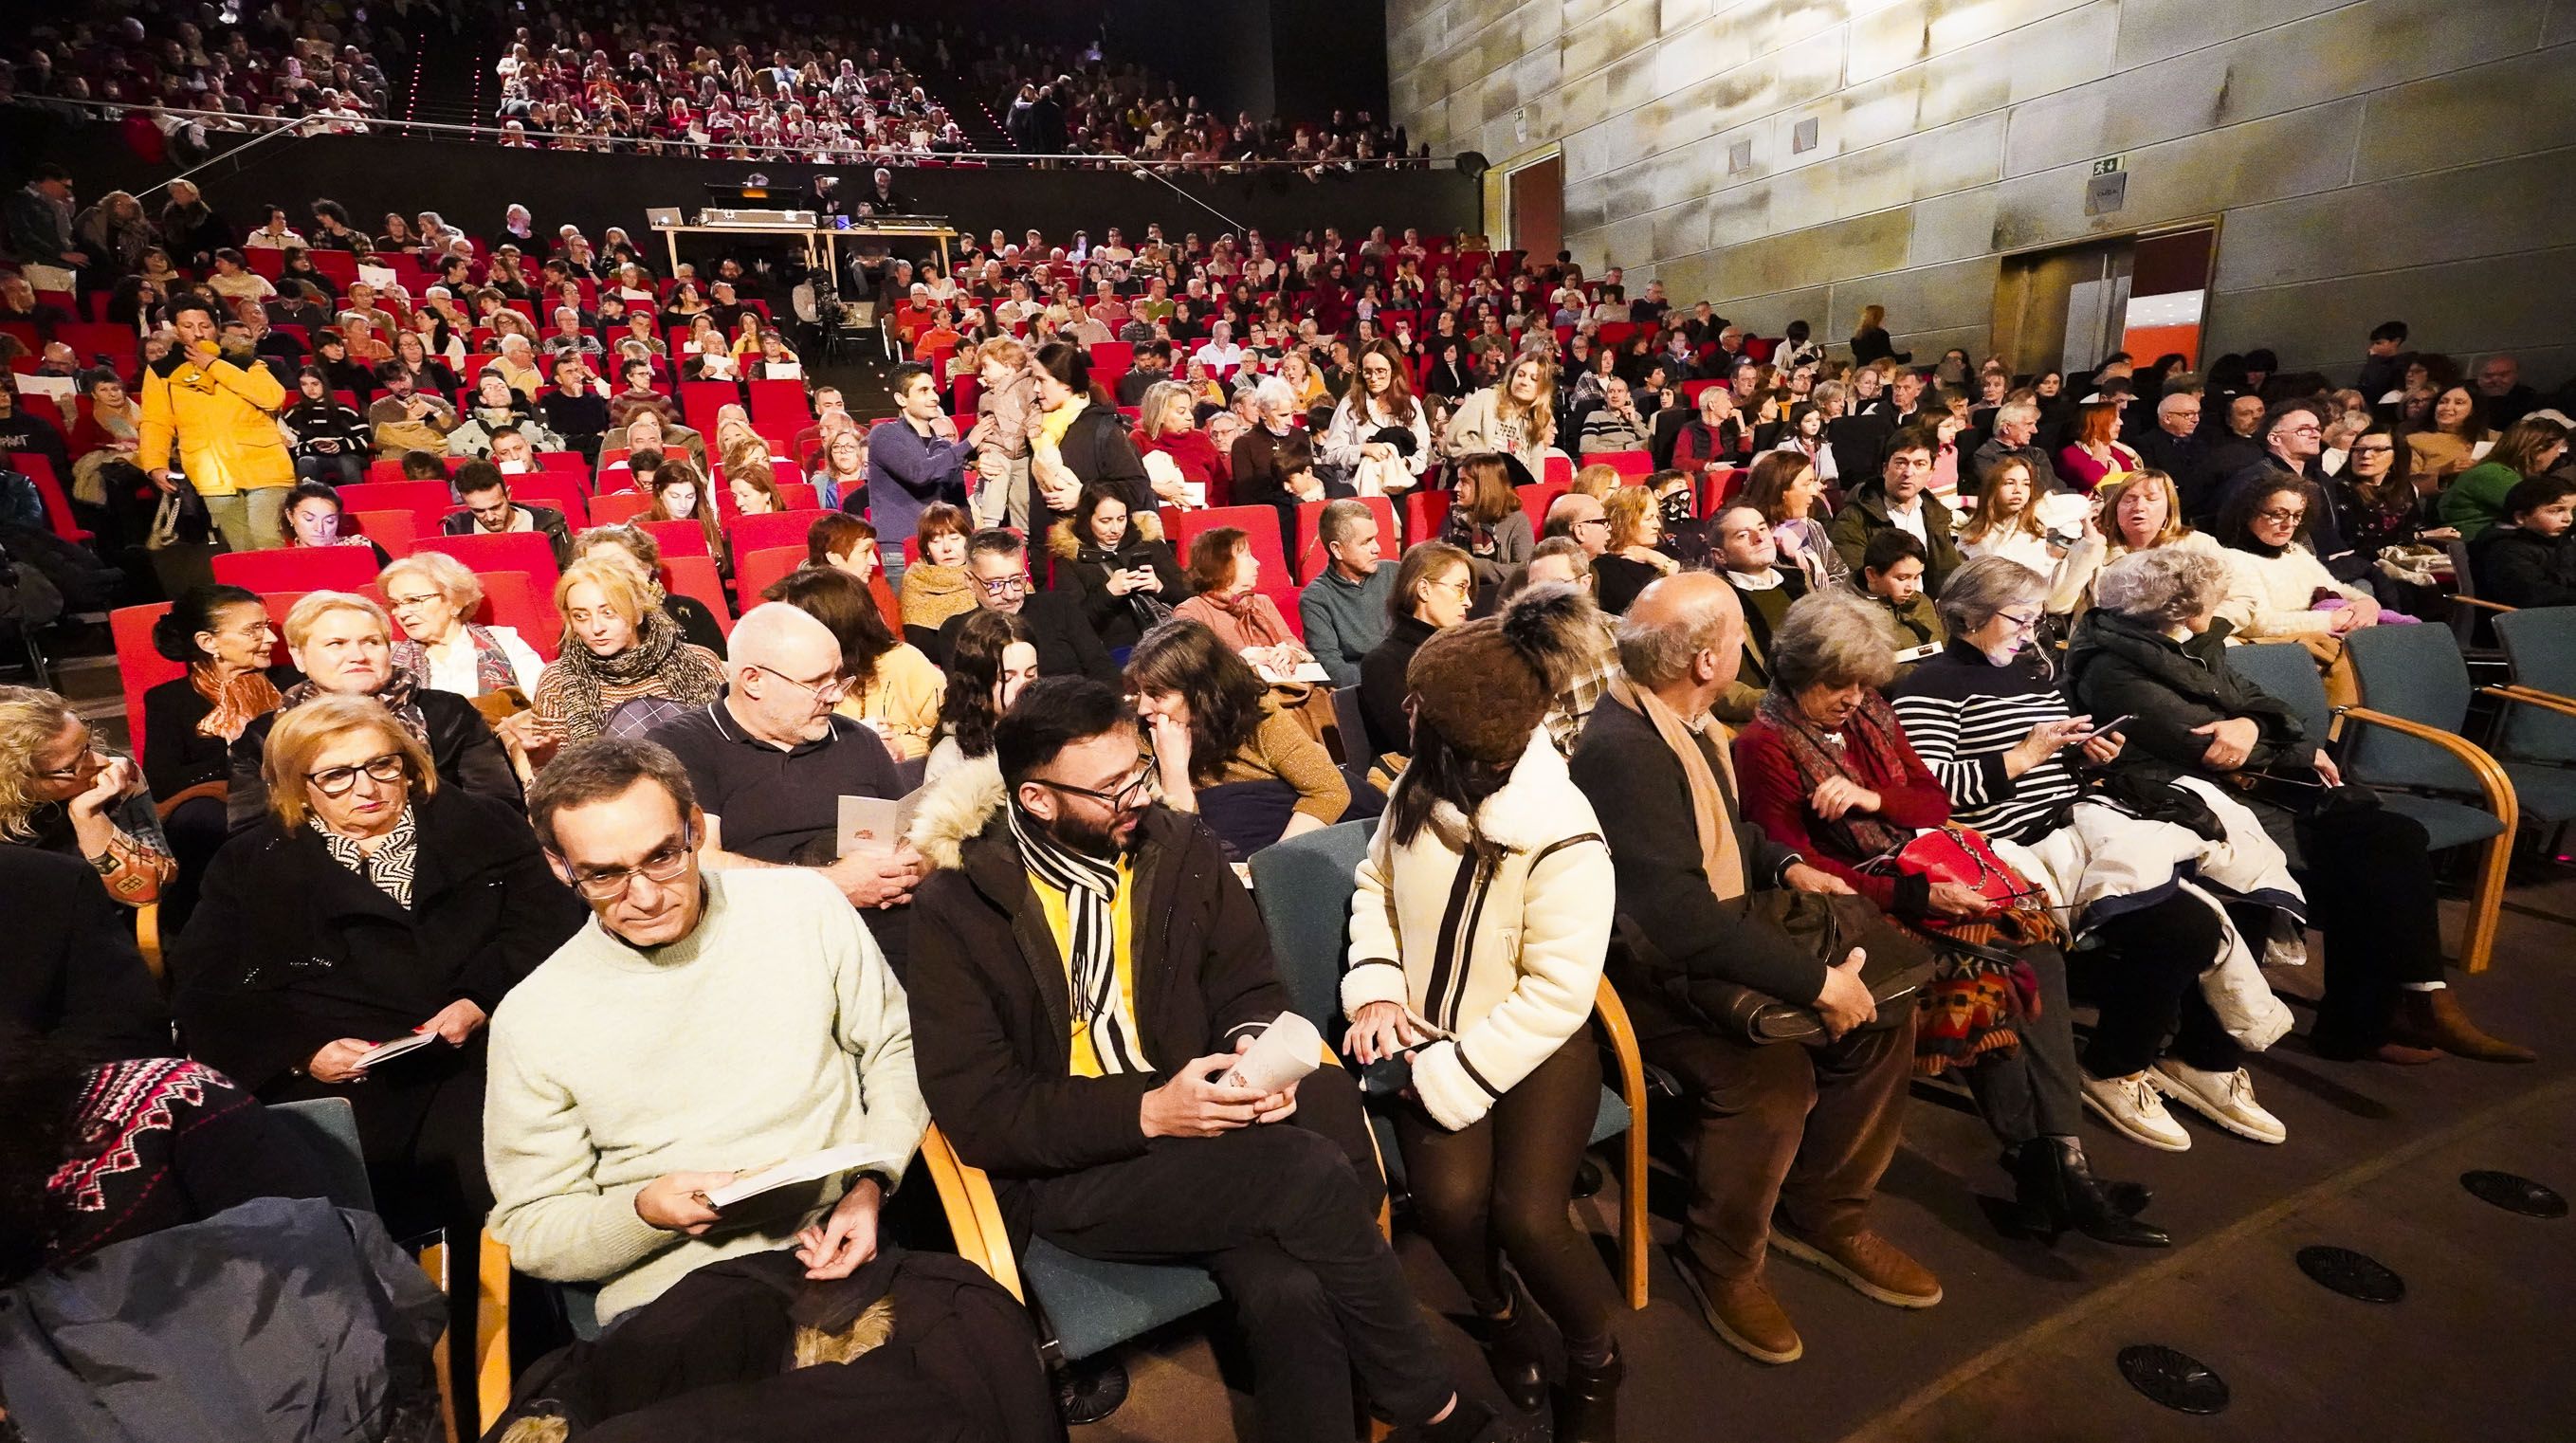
(1141, 526)
(957, 808)
(1531, 809)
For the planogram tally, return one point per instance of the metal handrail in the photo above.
(490, 133)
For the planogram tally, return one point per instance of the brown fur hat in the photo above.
(1486, 685)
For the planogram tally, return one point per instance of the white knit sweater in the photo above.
(2271, 596)
(773, 1030)
(1515, 976)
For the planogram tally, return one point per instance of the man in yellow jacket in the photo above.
(223, 416)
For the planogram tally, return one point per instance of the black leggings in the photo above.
(2146, 979)
(2370, 891)
(1499, 1188)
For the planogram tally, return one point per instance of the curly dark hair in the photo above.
(2236, 519)
(974, 668)
(1184, 658)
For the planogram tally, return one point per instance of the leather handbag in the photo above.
(1828, 926)
(1961, 856)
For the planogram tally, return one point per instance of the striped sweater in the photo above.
(1962, 713)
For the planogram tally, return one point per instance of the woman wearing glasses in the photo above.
(1826, 771)
(2275, 581)
(62, 792)
(368, 905)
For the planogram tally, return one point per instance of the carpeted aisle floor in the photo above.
(2023, 1347)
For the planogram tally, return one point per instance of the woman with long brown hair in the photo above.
(1515, 417)
(1486, 519)
(1213, 722)
(680, 494)
(1380, 433)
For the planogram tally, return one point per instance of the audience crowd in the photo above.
(1881, 709)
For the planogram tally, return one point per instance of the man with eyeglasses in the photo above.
(1086, 971)
(770, 761)
(701, 1024)
(997, 573)
(2293, 439)
(2168, 446)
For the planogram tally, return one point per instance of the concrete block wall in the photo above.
(2363, 158)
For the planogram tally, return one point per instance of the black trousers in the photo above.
(2031, 1091)
(1288, 1225)
(2146, 979)
(1499, 1188)
(2370, 891)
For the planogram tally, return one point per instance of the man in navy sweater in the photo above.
(913, 460)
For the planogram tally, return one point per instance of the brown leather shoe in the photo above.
(1743, 1312)
(1876, 1268)
(2435, 1019)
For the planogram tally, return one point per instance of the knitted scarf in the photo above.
(233, 703)
(933, 593)
(396, 695)
(1246, 613)
(650, 660)
(1090, 888)
(1869, 747)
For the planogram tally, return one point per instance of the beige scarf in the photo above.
(1720, 856)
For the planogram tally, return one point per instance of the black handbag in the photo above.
(1828, 926)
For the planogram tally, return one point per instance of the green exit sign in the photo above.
(2107, 165)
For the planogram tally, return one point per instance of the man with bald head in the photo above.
(771, 759)
(1789, 1140)
(1578, 515)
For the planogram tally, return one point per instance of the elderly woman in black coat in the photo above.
(371, 905)
(2149, 651)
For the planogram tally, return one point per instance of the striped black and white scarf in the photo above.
(1090, 888)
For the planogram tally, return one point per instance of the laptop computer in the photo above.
(663, 217)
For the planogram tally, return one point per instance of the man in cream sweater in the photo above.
(702, 1026)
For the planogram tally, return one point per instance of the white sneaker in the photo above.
(2225, 1098)
(2130, 1104)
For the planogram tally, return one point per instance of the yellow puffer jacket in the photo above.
(224, 418)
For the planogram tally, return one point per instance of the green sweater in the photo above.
(2474, 500)
(772, 1031)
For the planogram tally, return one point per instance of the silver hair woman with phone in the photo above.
(1991, 720)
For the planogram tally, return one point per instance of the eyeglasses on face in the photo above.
(667, 862)
(336, 781)
(828, 691)
(1004, 585)
(1119, 798)
(2282, 516)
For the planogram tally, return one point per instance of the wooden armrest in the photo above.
(2530, 696)
(147, 940)
(974, 1215)
(1632, 1184)
(2477, 944)
(171, 803)
(2487, 605)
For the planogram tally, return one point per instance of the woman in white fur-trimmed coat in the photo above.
(1477, 937)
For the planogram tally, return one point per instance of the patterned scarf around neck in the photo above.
(232, 704)
(657, 641)
(1868, 746)
(491, 664)
(1090, 888)
(396, 695)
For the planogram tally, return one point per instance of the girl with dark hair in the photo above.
(1116, 565)
(1496, 1019)
(1212, 722)
(313, 516)
(1080, 438)
(332, 441)
(995, 655)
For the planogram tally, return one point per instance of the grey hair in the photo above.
(1340, 518)
(1655, 656)
(2167, 585)
(1271, 392)
(1833, 638)
(2018, 411)
(1975, 593)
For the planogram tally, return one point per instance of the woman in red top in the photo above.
(1167, 425)
(2096, 454)
(1825, 770)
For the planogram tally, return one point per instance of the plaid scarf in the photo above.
(1090, 888)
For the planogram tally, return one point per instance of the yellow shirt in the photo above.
(1122, 920)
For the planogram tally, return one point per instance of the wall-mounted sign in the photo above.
(1520, 125)
(2105, 194)
(2108, 165)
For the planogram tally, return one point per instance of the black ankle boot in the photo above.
(1516, 1349)
(1587, 1407)
(2054, 1189)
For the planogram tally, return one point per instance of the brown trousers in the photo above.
(1807, 1130)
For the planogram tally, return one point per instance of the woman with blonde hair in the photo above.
(2007, 524)
(61, 791)
(1515, 417)
(1597, 481)
(1167, 426)
(619, 647)
(1869, 340)
(420, 906)
(1630, 563)
(751, 479)
(432, 597)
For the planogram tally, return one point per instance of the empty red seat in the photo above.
(700, 400)
(427, 501)
(677, 538)
(759, 533)
(1630, 464)
(754, 571)
(1426, 510)
(510, 599)
(1536, 499)
(696, 576)
(609, 508)
(780, 402)
(521, 551)
(297, 568)
(394, 530)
